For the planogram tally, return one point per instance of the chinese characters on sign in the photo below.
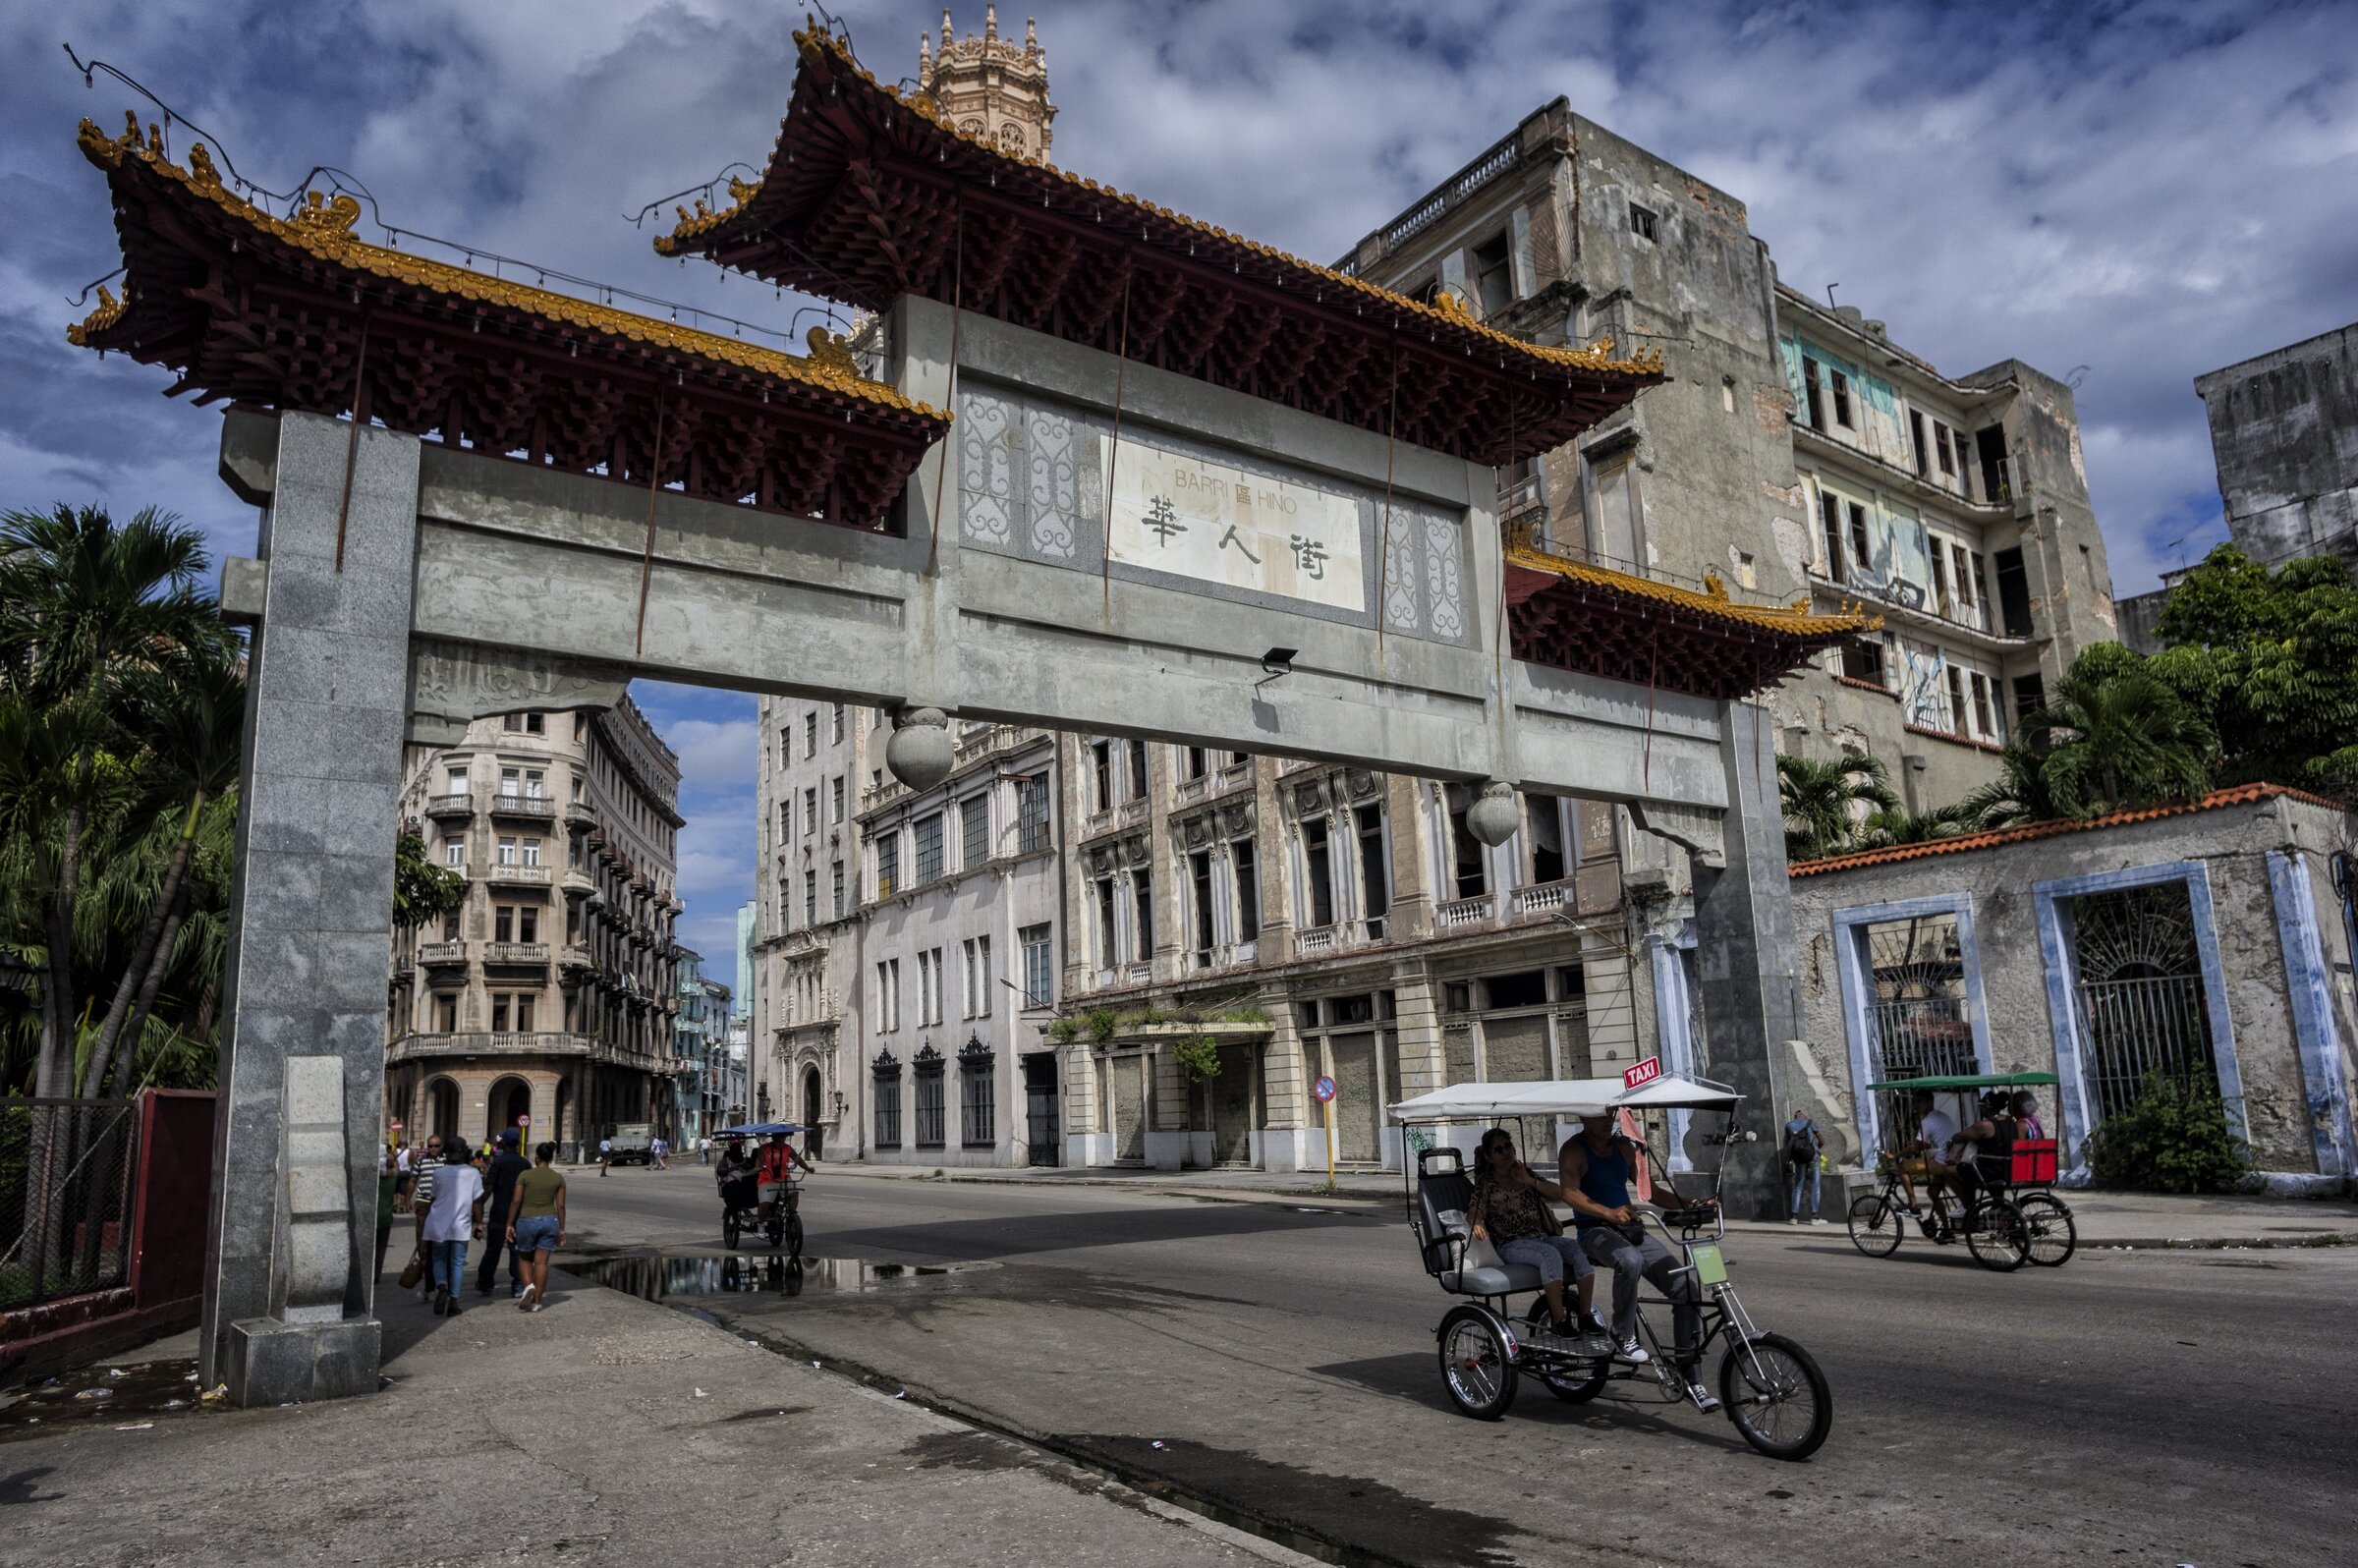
(1205, 519)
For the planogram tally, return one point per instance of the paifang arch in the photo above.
(1107, 459)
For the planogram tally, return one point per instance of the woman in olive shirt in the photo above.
(536, 1224)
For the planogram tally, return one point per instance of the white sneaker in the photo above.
(1703, 1397)
(1817, 1219)
(1630, 1351)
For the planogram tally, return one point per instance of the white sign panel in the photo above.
(1205, 520)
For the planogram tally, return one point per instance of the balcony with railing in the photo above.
(578, 957)
(514, 955)
(461, 804)
(1541, 898)
(522, 807)
(441, 955)
(1459, 912)
(504, 873)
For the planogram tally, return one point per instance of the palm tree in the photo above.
(1822, 802)
(1883, 827)
(2017, 794)
(85, 607)
(2113, 736)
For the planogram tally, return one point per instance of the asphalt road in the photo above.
(2153, 1407)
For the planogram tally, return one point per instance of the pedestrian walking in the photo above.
(454, 1218)
(605, 1155)
(506, 1166)
(536, 1224)
(1803, 1145)
(655, 1150)
(704, 1151)
(388, 1193)
(422, 1170)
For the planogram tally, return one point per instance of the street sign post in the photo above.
(1645, 1072)
(1324, 1092)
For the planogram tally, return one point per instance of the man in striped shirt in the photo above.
(422, 1196)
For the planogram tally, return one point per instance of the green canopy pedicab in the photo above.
(2013, 1215)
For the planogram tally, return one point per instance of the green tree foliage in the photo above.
(2272, 659)
(2174, 1138)
(2115, 735)
(421, 890)
(121, 706)
(1824, 803)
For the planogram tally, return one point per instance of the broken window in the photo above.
(1829, 518)
(1318, 873)
(1862, 661)
(1841, 389)
(1642, 221)
(1858, 535)
(1916, 430)
(1985, 710)
(1956, 700)
(2013, 593)
(1812, 386)
(1940, 563)
(1948, 464)
(1493, 275)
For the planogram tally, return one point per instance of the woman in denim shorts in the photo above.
(536, 1224)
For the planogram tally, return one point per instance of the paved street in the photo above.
(2143, 1407)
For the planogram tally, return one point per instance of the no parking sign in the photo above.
(1322, 1090)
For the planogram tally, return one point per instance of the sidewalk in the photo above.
(604, 1431)
(2103, 1218)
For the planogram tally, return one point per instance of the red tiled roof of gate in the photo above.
(2239, 795)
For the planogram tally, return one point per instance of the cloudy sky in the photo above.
(2136, 192)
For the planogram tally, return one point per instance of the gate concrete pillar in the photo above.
(290, 1253)
(1748, 960)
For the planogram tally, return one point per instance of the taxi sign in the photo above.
(1645, 1072)
(1322, 1090)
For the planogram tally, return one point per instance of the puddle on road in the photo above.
(658, 1276)
(99, 1396)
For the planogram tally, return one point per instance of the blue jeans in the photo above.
(1804, 1175)
(450, 1265)
(1551, 1256)
(1647, 1259)
(537, 1234)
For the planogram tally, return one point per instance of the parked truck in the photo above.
(633, 1142)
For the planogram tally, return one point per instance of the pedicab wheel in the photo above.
(1474, 1365)
(1875, 1224)
(730, 1229)
(1998, 1236)
(775, 1228)
(1579, 1388)
(2054, 1235)
(794, 1235)
(1774, 1393)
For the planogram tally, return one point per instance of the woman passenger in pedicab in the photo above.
(1509, 1209)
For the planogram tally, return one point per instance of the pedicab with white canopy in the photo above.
(1770, 1386)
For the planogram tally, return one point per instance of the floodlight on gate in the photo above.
(1276, 662)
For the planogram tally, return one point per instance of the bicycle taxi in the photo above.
(2014, 1215)
(776, 1207)
(1770, 1386)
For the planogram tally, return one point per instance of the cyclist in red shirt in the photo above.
(774, 1171)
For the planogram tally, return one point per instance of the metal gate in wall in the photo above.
(1042, 1127)
(1917, 1008)
(2143, 1011)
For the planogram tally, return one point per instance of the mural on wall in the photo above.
(1922, 686)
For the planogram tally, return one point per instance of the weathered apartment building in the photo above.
(1004, 969)
(1796, 452)
(700, 1030)
(552, 992)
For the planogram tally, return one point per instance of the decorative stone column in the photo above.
(290, 1250)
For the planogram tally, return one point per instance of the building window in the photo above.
(929, 848)
(977, 1122)
(1108, 943)
(1469, 864)
(1963, 570)
(1948, 462)
(928, 1098)
(507, 852)
(1814, 392)
(1916, 439)
(1840, 385)
(1551, 836)
(1137, 770)
(1317, 879)
(1191, 762)
(973, 989)
(840, 909)
(1037, 964)
(2030, 695)
(1032, 814)
(810, 898)
(1141, 886)
(1830, 524)
(2013, 592)
(1199, 881)
(1860, 549)
(1862, 661)
(811, 733)
(524, 1014)
(1956, 700)
(1101, 774)
(888, 1101)
(1374, 869)
(835, 725)
(1614, 540)
(453, 852)
(1641, 222)
(531, 851)
(446, 1014)
(888, 995)
(503, 923)
(1494, 273)
(1248, 890)
(888, 863)
(930, 987)
(973, 831)
(836, 800)
(1984, 709)
(499, 1014)
(786, 820)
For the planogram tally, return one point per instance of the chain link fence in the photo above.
(66, 1184)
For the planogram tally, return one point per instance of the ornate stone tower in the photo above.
(988, 88)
